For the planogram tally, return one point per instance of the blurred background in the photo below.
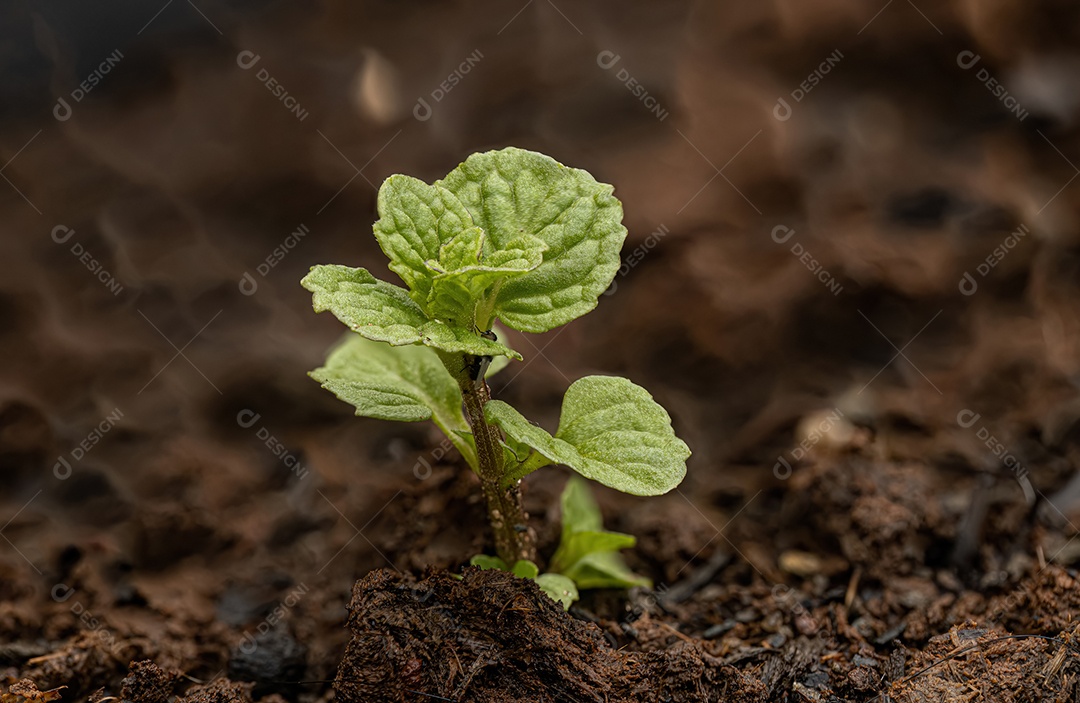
(853, 242)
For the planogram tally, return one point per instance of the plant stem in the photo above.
(514, 539)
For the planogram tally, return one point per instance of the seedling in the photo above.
(516, 237)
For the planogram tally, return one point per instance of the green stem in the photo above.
(514, 540)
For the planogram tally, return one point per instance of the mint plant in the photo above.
(511, 236)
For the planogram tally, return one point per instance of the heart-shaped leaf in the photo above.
(611, 431)
(515, 192)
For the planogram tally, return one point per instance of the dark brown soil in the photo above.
(492, 637)
(883, 499)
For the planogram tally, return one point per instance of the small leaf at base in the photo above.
(587, 552)
(559, 588)
(485, 561)
(604, 570)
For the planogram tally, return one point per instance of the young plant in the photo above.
(587, 557)
(514, 236)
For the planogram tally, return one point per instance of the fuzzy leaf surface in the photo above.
(457, 291)
(611, 431)
(415, 221)
(407, 384)
(383, 312)
(514, 192)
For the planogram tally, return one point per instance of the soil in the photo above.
(882, 504)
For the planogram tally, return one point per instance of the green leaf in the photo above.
(577, 545)
(604, 570)
(415, 221)
(559, 588)
(488, 562)
(517, 451)
(463, 284)
(464, 249)
(611, 431)
(407, 384)
(580, 512)
(523, 568)
(383, 312)
(514, 192)
(587, 553)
